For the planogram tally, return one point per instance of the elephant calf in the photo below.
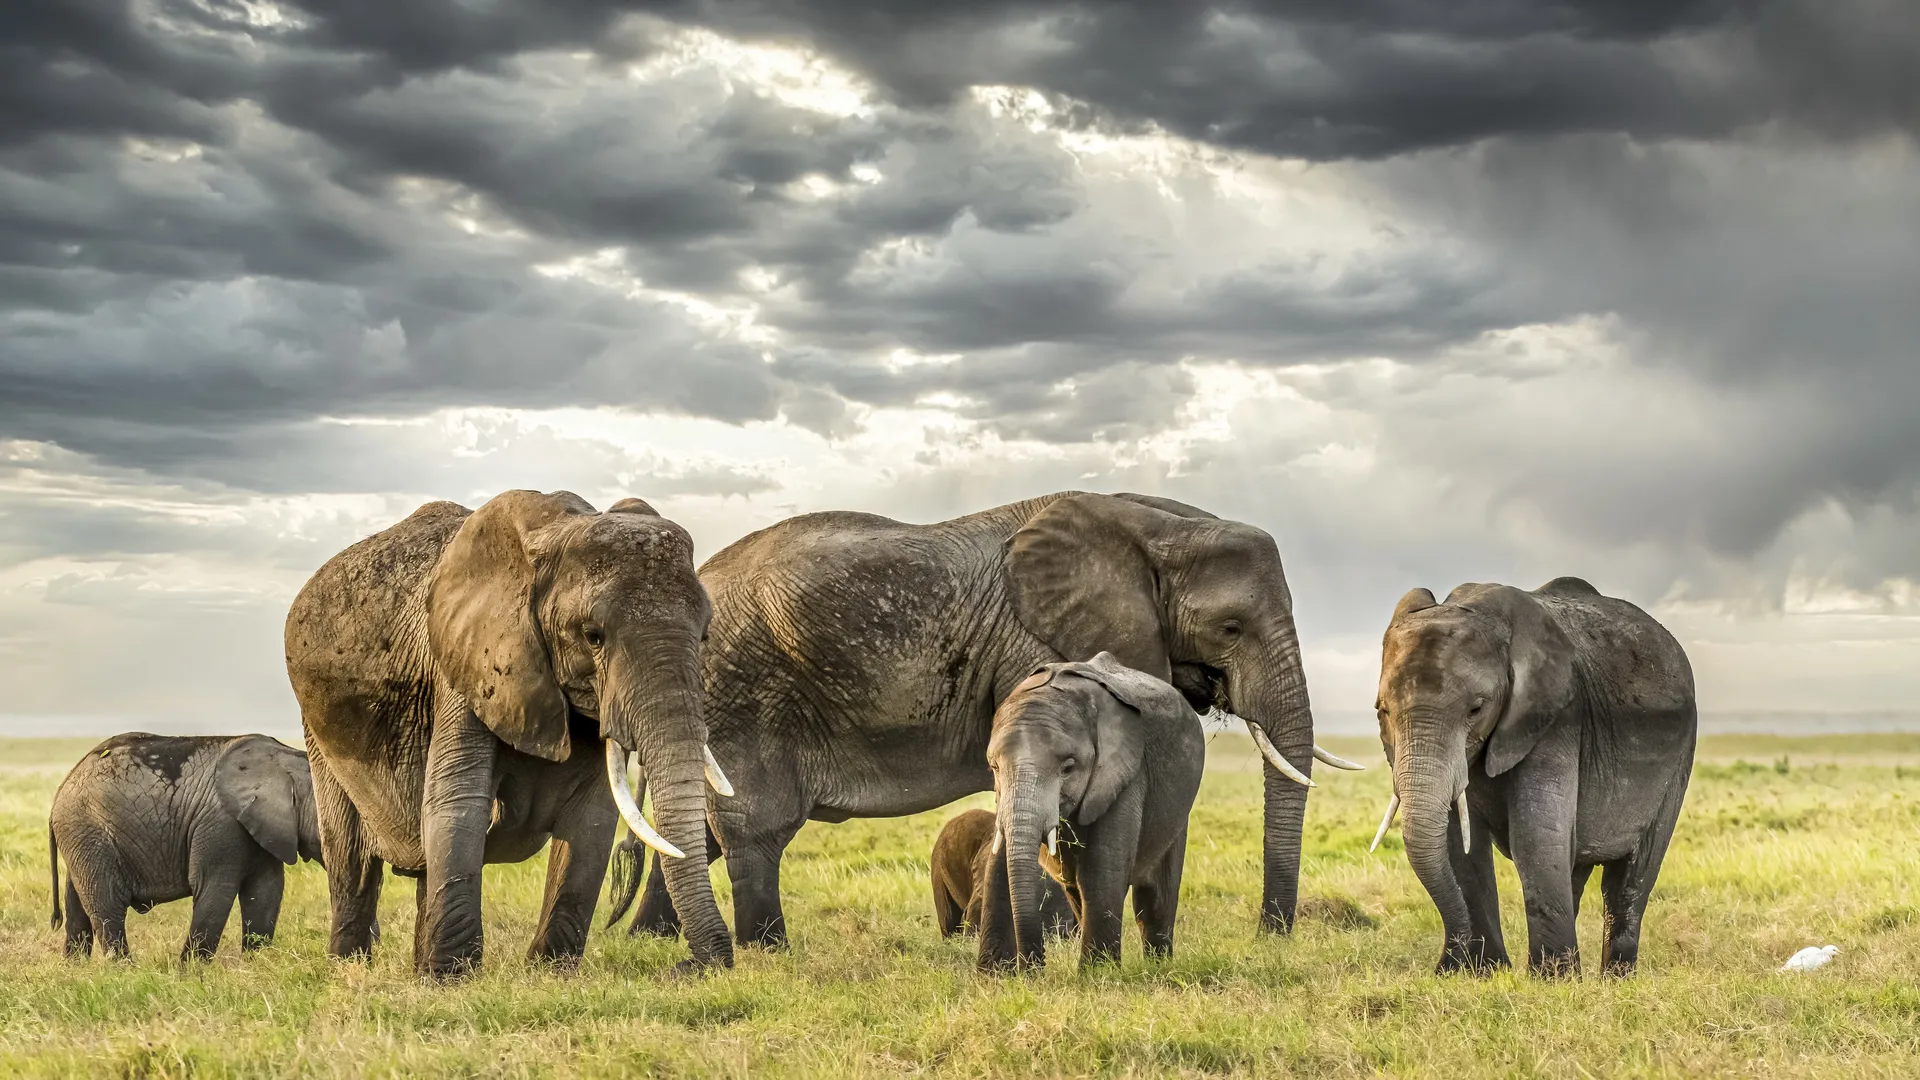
(961, 866)
(1111, 756)
(1557, 725)
(145, 819)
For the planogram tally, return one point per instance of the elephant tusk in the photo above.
(1053, 840)
(1393, 807)
(1337, 761)
(1275, 758)
(998, 840)
(630, 810)
(1466, 825)
(715, 778)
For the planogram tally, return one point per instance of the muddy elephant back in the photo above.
(366, 600)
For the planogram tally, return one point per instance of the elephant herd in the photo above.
(476, 685)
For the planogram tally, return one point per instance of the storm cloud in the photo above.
(1434, 292)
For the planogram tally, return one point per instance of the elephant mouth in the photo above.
(1204, 687)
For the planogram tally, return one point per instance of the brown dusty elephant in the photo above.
(960, 867)
(472, 683)
(146, 819)
(1557, 725)
(855, 662)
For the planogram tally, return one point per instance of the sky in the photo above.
(1433, 291)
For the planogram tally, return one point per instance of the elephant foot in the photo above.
(660, 928)
(451, 969)
(1275, 921)
(1470, 955)
(1620, 969)
(1555, 965)
(691, 968)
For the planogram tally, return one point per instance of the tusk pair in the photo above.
(1466, 825)
(715, 778)
(630, 810)
(1393, 807)
(1337, 761)
(1274, 757)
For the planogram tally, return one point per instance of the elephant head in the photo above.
(1193, 599)
(1065, 744)
(1485, 672)
(541, 610)
(268, 788)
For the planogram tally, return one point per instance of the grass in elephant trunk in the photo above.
(1802, 842)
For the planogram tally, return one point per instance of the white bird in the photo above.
(1810, 957)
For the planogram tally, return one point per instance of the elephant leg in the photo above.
(213, 897)
(260, 897)
(576, 867)
(755, 872)
(1625, 886)
(1542, 836)
(354, 873)
(1474, 871)
(79, 926)
(1156, 901)
(655, 914)
(1581, 875)
(948, 913)
(456, 811)
(1103, 870)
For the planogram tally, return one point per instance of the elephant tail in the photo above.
(629, 863)
(53, 860)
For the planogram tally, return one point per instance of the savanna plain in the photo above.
(1784, 842)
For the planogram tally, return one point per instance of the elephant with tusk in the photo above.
(1557, 725)
(855, 663)
(475, 684)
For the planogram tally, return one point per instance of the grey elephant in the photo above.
(855, 663)
(472, 685)
(1557, 725)
(146, 819)
(1103, 762)
(960, 868)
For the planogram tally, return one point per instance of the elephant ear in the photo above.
(1081, 580)
(1154, 699)
(254, 786)
(481, 627)
(1119, 740)
(1541, 687)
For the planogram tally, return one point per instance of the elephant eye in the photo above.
(1231, 628)
(1066, 766)
(1477, 706)
(593, 636)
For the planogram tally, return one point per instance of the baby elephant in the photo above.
(1556, 725)
(1101, 763)
(145, 819)
(960, 870)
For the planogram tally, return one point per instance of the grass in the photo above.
(1783, 843)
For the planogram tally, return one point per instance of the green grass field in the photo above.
(1783, 843)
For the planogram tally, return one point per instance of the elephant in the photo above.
(960, 865)
(448, 668)
(1559, 724)
(1104, 762)
(145, 819)
(855, 663)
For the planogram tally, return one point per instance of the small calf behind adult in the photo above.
(145, 819)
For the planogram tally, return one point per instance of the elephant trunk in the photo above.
(658, 708)
(1275, 699)
(1026, 812)
(1430, 775)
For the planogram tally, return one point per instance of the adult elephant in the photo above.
(855, 662)
(449, 670)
